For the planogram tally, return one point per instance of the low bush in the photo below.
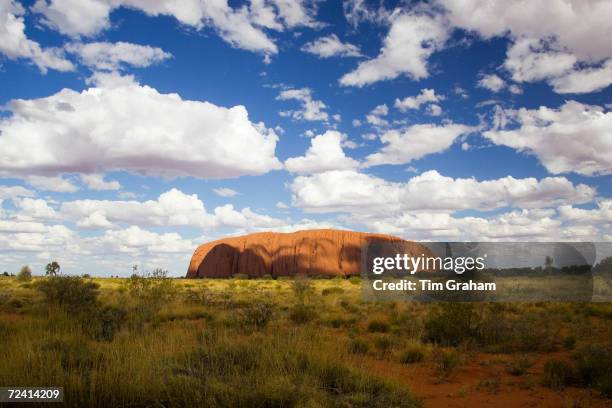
(301, 313)
(558, 374)
(378, 326)
(257, 314)
(519, 365)
(446, 362)
(413, 353)
(72, 293)
(594, 368)
(384, 344)
(451, 324)
(359, 346)
(331, 291)
(25, 274)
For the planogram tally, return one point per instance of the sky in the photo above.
(132, 131)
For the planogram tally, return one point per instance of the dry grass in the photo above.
(270, 343)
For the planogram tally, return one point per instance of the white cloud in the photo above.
(97, 182)
(584, 80)
(312, 109)
(415, 142)
(434, 110)
(133, 128)
(331, 46)
(31, 209)
(172, 209)
(601, 215)
(491, 82)
(357, 11)
(225, 192)
(375, 116)
(575, 137)
(15, 191)
(53, 183)
(135, 239)
(358, 193)
(414, 102)
(15, 44)
(242, 27)
(526, 225)
(412, 38)
(552, 39)
(325, 153)
(295, 13)
(281, 205)
(114, 56)
(90, 17)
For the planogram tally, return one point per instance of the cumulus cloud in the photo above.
(242, 27)
(312, 109)
(114, 56)
(172, 209)
(97, 182)
(15, 191)
(600, 215)
(415, 142)
(551, 40)
(135, 240)
(491, 82)
(414, 102)
(14, 43)
(225, 192)
(412, 38)
(53, 183)
(331, 46)
(325, 153)
(375, 117)
(573, 138)
(526, 225)
(359, 193)
(134, 128)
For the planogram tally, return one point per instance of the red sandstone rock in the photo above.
(324, 252)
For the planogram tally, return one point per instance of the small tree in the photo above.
(52, 269)
(25, 274)
(548, 263)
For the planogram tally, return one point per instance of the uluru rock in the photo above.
(324, 252)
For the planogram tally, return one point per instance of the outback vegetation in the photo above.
(155, 341)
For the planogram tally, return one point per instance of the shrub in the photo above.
(301, 314)
(150, 292)
(519, 365)
(332, 290)
(25, 274)
(451, 324)
(302, 288)
(355, 280)
(258, 314)
(414, 353)
(569, 342)
(558, 374)
(359, 346)
(384, 344)
(594, 368)
(106, 322)
(378, 326)
(447, 361)
(491, 384)
(70, 292)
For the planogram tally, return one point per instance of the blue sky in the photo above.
(133, 131)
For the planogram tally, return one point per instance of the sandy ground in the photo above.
(483, 381)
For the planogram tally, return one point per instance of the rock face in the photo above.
(323, 252)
